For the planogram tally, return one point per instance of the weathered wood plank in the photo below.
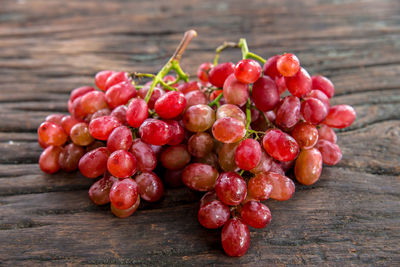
(306, 227)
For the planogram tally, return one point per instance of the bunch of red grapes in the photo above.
(233, 135)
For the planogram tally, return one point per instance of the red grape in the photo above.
(210, 159)
(320, 96)
(145, 158)
(99, 192)
(214, 94)
(150, 186)
(49, 159)
(214, 214)
(198, 118)
(94, 163)
(70, 156)
(308, 166)
(248, 154)
(233, 111)
(124, 193)
(121, 164)
(93, 101)
(101, 78)
(120, 114)
(200, 177)
(155, 132)
(286, 165)
(331, 154)
(326, 133)
(340, 116)
(55, 118)
(280, 145)
(228, 130)
(120, 94)
(80, 134)
(156, 150)
(195, 98)
(170, 105)
(169, 78)
(80, 92)
(270, 68)
(259, 187)
(218, 74)
(119, 139)
(288, 65)
(124, 213)
(68, 122)
(41, 143)
(175, 157)
(247, 71)
(235, 92)
(300, 84)
(305, 134)
(288, 112)
(313, 110)
(101, 128)
(116, 78)
(200, 144)
(235, 238)
(281, 85)
(100, 113)
(265, 95)
(282, 187)
(255, 214)
(177, 132)
(323, 84)
(226, 157)
(203, 70)
(52, 134)
(137, 112)
(94, 145)
(77, 109)
(277, 168)
(231, 189)
(189, 87)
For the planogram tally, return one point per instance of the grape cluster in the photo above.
(233, 134)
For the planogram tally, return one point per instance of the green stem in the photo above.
(247, 54)
(256, 57)
(174, 82)
(256, 132)
(177, 68)
(248, 116)
(222, 48)
(173, 64)
(241, 172)
(243, 46)
(216, 100)
(167, 86)
(138, 75)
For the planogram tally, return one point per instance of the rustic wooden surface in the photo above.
(47, 48)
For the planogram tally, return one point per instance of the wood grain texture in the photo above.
(351, 217)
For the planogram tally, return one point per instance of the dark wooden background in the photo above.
(47, 48)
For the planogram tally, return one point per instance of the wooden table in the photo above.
(47, 48)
